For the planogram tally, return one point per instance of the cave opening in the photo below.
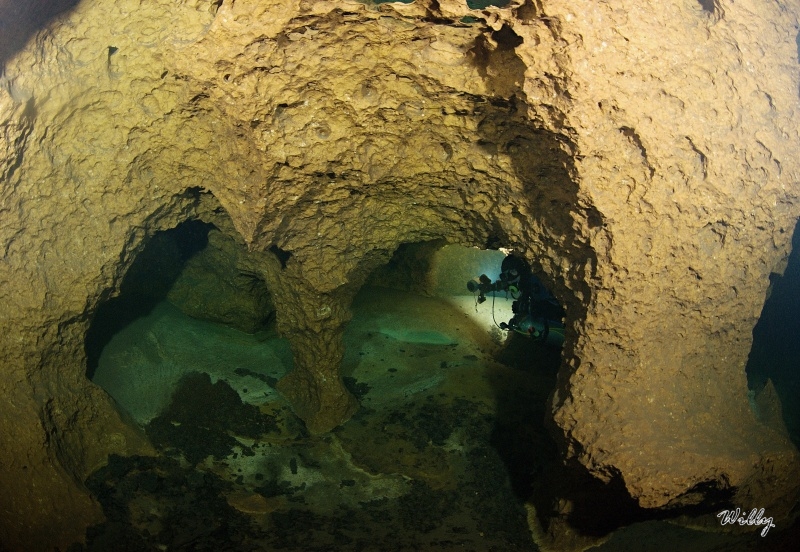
(434, 372)
(183, 306)
(449, 440)
(146, 283)
(772, 369)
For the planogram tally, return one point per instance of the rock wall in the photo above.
(213, 287)
(695, 179)
(641, 154)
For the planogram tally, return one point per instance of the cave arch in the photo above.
(666, 225)
(183, 282)
(146, 283)
(331, 257)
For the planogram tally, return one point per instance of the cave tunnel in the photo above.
(142, 341)
(241, 248)
(146, 283)
(772, 367)
(451, 408)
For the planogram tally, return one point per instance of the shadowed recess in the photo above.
(20, 20)
(142, 288)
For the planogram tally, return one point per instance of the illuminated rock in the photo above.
(643, 158)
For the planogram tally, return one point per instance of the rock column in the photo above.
(313, 321)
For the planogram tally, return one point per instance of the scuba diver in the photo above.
(537, 313)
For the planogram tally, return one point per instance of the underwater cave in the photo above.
(448, 448)
(449, 433)
(773, 371)
(428, 274)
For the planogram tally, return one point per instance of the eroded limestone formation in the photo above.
(213, 286)
(641, 155)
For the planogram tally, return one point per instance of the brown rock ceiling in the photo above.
(643, 155)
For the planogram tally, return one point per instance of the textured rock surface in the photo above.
(212, 287)
(642, 155)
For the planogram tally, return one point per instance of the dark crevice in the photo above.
(775, 349)
(713, 9)
(708, 5)
(701, 156)
(283, 256)
(481, 4)
(506, 38)
(636, 140)
(594, 218)
(146, 283)
(797, 42)
(20, 20)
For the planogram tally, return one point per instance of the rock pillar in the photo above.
(313, 321)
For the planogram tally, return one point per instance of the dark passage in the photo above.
(420, 466)
(146, 284)
(775, 355)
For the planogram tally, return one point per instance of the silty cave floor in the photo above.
(446, 442)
